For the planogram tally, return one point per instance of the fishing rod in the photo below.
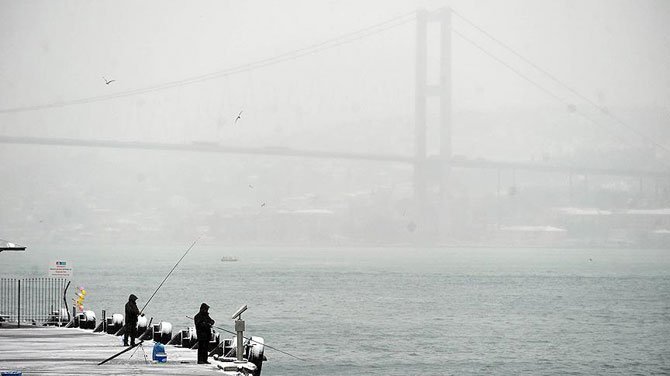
(152, 295)
(251, 340)
(168, 275)
(120, 352)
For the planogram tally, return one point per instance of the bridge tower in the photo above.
(433, 218)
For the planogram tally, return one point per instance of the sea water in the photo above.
(400, 310)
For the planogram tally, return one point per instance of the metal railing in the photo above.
(33, 301)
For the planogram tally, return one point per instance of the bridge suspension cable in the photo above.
(583, 97)
(549, 92)
(286, 56)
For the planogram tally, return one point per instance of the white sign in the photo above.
(60, 268)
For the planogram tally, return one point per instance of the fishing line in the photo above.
(251, 340)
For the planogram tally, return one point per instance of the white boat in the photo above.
(9, 246)
(229, 258)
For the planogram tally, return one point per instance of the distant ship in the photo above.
(229, 258)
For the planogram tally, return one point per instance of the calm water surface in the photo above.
(402, 311)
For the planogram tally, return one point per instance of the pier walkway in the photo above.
(66, 351)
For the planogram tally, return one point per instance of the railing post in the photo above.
(239, 328)
(18, 304)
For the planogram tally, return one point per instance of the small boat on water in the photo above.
(228, 258)
(9, 246)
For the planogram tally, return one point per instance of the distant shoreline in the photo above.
(363, 245)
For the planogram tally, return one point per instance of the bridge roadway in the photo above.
(433, 163)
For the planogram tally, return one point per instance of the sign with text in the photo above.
(60, 268)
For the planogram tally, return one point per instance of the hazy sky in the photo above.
(357, 96)
(615, 52)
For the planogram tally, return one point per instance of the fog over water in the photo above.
(303, 138)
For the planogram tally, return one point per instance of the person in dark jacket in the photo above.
(131, 321)
(203, 328)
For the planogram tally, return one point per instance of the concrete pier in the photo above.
(67, 351)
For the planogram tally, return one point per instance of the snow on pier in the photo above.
(68, 351)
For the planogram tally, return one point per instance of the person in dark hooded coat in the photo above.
(203, 328)
(131, 321)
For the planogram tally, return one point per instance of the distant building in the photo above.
(639, 227)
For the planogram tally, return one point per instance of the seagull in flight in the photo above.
(239, 116)
(107, 82)
(262, 205)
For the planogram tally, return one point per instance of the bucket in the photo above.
(161, 357)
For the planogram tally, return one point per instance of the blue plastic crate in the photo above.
(158, 354)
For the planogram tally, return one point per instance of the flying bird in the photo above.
(263, 204)
(107, 82)
(239, 116)
(251, 186)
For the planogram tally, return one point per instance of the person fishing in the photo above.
(132, 312)
(136, 312)
(203, 328)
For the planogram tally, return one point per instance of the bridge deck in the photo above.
(61, 351)
(432, 162)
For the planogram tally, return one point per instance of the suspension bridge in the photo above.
(423, 164)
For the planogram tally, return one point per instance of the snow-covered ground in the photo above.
(65, 351)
